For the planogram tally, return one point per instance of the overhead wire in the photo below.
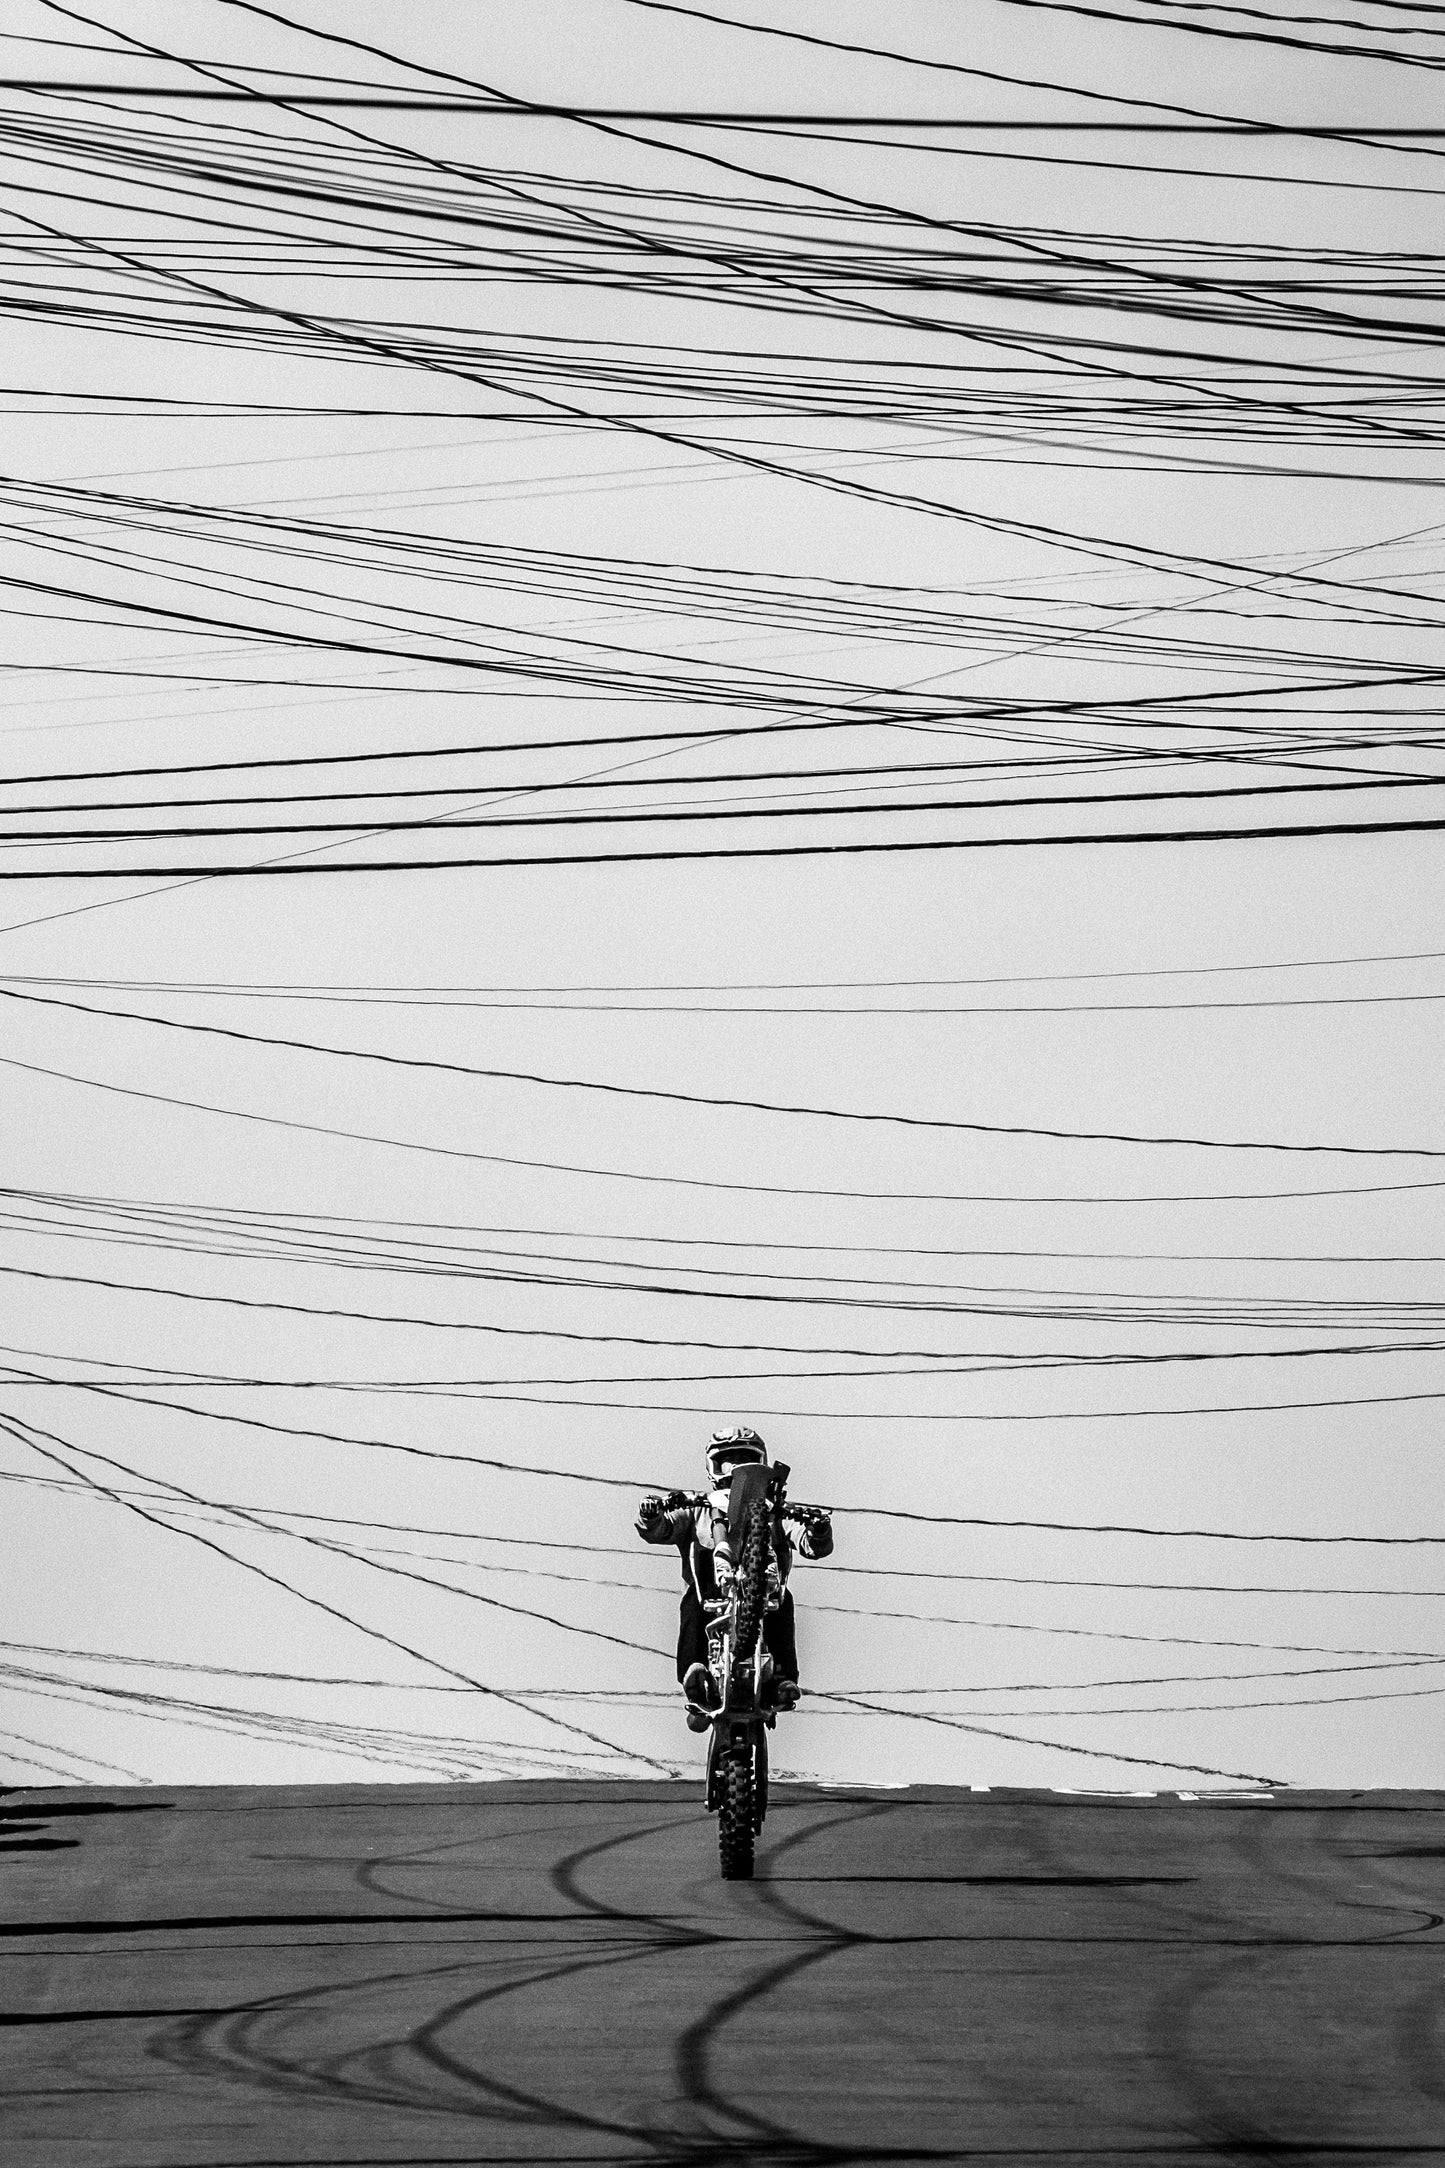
(815, 267)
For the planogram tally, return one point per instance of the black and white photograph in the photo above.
(722, 1097)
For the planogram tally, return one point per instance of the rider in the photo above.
(692, 1528)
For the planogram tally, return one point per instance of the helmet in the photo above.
(734, 1449)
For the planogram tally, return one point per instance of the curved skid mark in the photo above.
(230, 2047)
(512, 2103)
(566, 2025)
(564, 1875)
(761, 2138)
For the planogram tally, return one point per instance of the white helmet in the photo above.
(734, 1449)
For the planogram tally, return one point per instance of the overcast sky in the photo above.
(320, 316)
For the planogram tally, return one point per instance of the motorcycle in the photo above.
(749, 1586)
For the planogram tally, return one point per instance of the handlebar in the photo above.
(791, 1512)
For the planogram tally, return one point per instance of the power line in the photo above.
(29, 1434)
(746, 986)
(1297, 831)
(639, 1485)
(678, 1181)
(713, 116)
(718, 1100)
(1016, 1738)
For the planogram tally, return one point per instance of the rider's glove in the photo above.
(651, 1509)
(818, 1528)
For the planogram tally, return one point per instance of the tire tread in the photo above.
(752, 1577)
(735, 1820)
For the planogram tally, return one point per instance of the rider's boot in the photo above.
(697, 1684)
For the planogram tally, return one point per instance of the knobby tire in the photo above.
(735, 1820)
(752, 1578)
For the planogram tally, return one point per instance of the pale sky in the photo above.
(1266, 1322)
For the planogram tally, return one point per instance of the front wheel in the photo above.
(735, 1818)
(752, 1577)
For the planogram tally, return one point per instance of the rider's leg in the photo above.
(780, 1639)
(691, 1634)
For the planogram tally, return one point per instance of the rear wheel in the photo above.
(735, 1818)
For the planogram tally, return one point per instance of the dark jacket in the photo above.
(694, 1530)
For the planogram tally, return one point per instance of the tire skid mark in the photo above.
(479, 2039)
(760, 2138)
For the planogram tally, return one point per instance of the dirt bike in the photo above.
(749, 1585)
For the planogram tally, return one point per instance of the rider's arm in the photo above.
(659, 1521)
(815, 1534)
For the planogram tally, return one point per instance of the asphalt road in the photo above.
(554, 1972)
